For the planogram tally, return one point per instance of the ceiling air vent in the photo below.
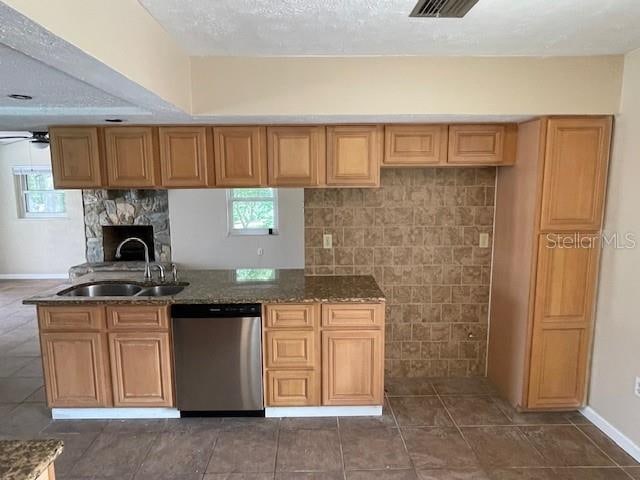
(442, 8)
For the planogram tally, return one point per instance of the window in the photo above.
(36, 196)
(252, 211)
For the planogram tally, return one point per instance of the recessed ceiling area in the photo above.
(54, 93)
(376, 27)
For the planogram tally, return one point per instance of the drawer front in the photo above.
(67, 318)
(137, 317)
(353, 315)
(286, 388)
(290, 349)
(291, 316)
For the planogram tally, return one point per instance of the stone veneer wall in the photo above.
(418, 235)
(126, 207)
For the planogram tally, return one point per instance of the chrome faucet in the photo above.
(147, 267)
(161, 275)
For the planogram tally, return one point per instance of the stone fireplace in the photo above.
(145, 213)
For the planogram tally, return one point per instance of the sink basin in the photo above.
(161, 290)
(103, 290)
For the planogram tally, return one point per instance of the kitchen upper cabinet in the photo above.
(75, 369)
(352, 367)
(141, 369)
(240, 156)
(130, 157)
(185, 159)
(482, 144)
(567, 271)
(415, 145)
(354, 154)
(575, 173)
(75, 157)
(296, 156)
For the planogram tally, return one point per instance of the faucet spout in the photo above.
(147, 266)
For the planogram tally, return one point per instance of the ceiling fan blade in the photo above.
(12, 138)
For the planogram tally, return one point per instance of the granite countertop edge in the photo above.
(219, 286)
(27, 459)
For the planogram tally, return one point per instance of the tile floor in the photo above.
(432, 429)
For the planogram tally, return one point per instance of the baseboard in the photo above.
(33, 276)
(112, 413)
(612, 432)
(359, 411)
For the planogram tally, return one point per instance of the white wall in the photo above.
(616, 358)
(199, 237)
(36, 246)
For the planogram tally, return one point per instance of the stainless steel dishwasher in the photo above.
(218, 358)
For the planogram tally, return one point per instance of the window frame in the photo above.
(22, 191)
(231, 231)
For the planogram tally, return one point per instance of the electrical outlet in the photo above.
(327, 240)
(637, 389)
(483, 240)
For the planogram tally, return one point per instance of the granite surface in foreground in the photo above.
(224, 286)
(27, 459)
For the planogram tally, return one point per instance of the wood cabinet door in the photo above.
(415, 144)
(75, 157)
(75, 369)
(71, 318)
(302, 315)
(138, 317)
(352, 367)
(292, 388)
(291, 349)
(351, 315)
(296, 156)
(184, 157)
(563, 311)
(354, 154)
(141, 369)
(240, 156)
(575, 173)
(129, 153)
(482, 144)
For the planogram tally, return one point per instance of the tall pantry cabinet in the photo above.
(549, 210)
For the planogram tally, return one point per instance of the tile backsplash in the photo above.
(418, 234)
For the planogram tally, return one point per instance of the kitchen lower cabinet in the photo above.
(124, 361)
(76, 369)
(140, 369)
(292, 388)
(323, 354)
(352, 367)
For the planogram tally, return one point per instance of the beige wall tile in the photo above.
(418, 236)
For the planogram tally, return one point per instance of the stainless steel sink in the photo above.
(103, 290)
(160, 290)
(124, 289)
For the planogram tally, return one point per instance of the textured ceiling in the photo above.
(49, 87)
(382, 27)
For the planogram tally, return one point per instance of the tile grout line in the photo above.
(598, 446)
(344, 469)
(404, 442)
(275, 460)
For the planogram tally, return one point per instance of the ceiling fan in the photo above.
(37, 139)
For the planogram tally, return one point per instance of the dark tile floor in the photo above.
(432, 429)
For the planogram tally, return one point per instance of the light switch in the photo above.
(327, 240)
(260, 251)
(483, 241)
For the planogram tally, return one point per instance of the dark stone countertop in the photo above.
(27, 459)
(228, 286)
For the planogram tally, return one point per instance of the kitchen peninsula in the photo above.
(113, 357)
